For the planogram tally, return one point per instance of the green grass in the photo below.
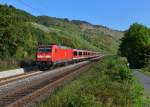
(108, 83)
(141, 98)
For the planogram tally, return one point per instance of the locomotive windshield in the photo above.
(44, 49)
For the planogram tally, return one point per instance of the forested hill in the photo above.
(83, 25)
(20, 33)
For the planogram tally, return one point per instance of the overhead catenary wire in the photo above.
(29, 6)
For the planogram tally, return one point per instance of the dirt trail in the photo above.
(144, 79)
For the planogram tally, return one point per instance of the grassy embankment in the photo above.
(108, 83)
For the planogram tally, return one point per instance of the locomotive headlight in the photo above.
(39, 56)
(48, 57)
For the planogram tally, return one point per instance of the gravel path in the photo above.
(144, 79)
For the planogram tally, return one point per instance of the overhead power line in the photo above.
(29, 6)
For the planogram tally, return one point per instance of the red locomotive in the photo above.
(51, 55)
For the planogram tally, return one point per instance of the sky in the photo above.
(115, 14)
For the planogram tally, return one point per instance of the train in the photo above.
(48, 56)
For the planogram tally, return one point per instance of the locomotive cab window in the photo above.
(44, 49)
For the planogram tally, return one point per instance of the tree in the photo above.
(134, 45)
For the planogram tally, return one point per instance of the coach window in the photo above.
(80, 53)
(75, 53)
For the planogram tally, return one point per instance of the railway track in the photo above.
(27, 91)
(17, 77)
